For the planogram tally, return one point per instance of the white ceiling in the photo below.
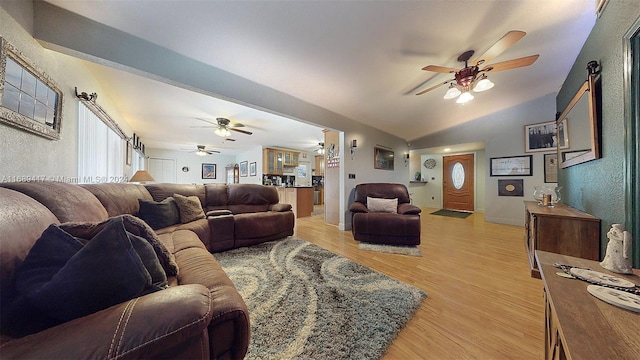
(360, 59)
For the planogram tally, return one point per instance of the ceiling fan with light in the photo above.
(474, 76)
(201, 151)
(224, 127)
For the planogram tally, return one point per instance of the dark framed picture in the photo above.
(208, 171)
(243, 168)
(511, 166)
(551, 168)
(252, 169)
(546, 136)
(382, 159)
(510, 187)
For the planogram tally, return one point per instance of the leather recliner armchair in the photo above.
(399, 228)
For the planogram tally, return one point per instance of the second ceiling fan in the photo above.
(474, 76)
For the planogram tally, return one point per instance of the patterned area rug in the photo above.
(309, 303)
(410, 250)
(452, 213)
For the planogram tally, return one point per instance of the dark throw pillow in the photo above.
(190, 208)
(159, 214)
(113, 267)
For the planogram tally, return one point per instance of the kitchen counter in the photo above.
(300, 198)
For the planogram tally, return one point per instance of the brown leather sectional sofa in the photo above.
(200, 315)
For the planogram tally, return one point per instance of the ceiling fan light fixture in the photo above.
(483, 84)
(464, 98)
(452, 92)
(223, 131)
(201, 153)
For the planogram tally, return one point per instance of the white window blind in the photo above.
(100, 150)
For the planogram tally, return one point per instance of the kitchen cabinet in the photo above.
(272, 162)
(319, 165)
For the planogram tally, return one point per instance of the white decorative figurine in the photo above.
(618, 257)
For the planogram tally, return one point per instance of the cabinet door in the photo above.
(279, 162)
(287, 158)
(294, 158)
(271, 161)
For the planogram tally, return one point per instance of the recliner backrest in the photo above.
(382, 190)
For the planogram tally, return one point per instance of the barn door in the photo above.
(458, 182)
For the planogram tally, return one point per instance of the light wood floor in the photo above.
(481, 302)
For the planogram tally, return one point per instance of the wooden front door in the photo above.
(458, 182)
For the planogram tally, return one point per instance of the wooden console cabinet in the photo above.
(560, 229)
(579, 325)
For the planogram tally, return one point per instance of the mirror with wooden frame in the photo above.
(581, 116)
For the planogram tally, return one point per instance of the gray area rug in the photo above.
(308, 303)
(410, 250)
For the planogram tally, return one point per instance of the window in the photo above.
(101, 150)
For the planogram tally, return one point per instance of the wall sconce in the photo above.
(354, 146)
(406, 159)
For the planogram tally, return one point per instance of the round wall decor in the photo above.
(185, 169)
(430, 163)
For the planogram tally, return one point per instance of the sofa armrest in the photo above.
(358, 207)
(408, 209)
(218, 212)
(280, 207)
(140, 328)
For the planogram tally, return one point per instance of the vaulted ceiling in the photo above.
(359, 59)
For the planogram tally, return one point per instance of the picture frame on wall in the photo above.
(551, 168)
(511, 187)
(208, 171)
(252, 169)
(511, 166)
(546, 136)
(30, 100)
(243, 168)
(382, 159)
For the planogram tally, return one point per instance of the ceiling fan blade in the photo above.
(229, 139)
(202, 126)
(440, 69)
(241, 131)
(512, 64)
(434, 87)
(212, 151)
(208, 121)
(500, 46)
(237, 125)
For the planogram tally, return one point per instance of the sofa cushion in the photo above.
(190, 208)
(66, 277)
(159, 214)
(382, 205)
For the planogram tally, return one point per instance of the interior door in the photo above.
(458, 180)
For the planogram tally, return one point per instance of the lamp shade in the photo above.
(464, 98)
(141, 176)
(483, 84)
(452, 92)
(222, 131)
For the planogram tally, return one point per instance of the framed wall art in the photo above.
(252, 169)
(243, 168)
(511, 166)
(551, 168)
(510, 187)
(208, 171)
(382, 159)
(546, 136)
(29, 99)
